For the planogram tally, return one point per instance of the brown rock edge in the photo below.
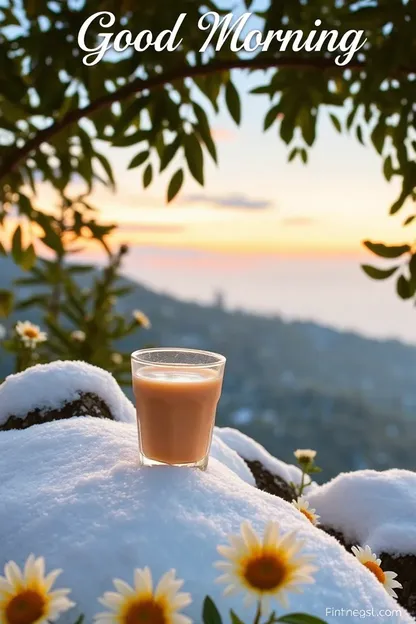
(88, 404)
(404, 566)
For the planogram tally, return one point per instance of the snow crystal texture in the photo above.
(73, 492)
(371, 508)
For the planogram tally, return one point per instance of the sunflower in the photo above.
(141, 605)
(30, 334)
(302, 505)
(142, 319)
(372, 563)
(26, 596)
(269, 569)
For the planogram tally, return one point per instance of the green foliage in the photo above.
(211, 615)
(56, 113)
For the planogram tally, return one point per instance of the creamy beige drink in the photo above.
(176, 411)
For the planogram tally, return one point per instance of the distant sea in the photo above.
(330, 291)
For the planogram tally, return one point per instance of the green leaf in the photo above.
(175, 184)
(359, 133)
(107, 168)
(28, 258)
(234, 618)
(36, 300)
(25, 206)
(412, 267)
(80, 620)
(148, 176)
(404, 288)
(386, 251)
(409, 220)
(271, 117)
(205, 131)
(398, 203)
(232, 100)
(388, 168)
(6, 302)
(194, 157)
(17, 245)
(336, 122)
(378, 274)
(210, 613)
(304, 155)
(293, 153)
(300, 618)
(139, 159)
(378, 136)
(169, 153)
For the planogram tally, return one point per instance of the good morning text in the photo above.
(221, 30)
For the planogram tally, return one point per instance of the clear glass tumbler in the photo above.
(176, 392)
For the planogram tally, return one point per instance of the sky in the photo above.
(255, 201)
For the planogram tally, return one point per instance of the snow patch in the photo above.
(371, 508)
(49, 386)
(73, 492)
(253, 451)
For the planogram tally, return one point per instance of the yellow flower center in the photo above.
(376, 570)
(308, 515)
(266, 572)
(25, 608)
(145, 612)
(31, 332)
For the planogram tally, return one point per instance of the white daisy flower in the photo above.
(141, 603)
(26, 596)
(30, 334)
(142, 319)
(117, 358)
(305, 455)
(78, 335)
(266, 569)
(373, 563)
(303, 506)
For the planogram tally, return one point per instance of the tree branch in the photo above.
(178, 73)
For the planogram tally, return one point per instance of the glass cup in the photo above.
(176, 392)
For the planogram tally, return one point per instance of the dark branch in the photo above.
(139, 85)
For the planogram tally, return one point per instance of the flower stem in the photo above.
(302, 483)
(258, 614)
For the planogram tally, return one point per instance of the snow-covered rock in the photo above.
(371, 508)
(72, 491)
(49, 386)
(253, 451)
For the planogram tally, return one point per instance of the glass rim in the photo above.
(219, 359)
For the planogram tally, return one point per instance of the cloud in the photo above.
(233, 200)
(299, 221)
(153, 228)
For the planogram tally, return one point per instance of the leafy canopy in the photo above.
(56, 113)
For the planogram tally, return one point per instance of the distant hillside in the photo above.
(292, 384)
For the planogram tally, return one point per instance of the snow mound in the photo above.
(369, 507)
(253, 451)
(48, 386)
(72, 490)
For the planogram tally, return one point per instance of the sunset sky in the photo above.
(255, 200)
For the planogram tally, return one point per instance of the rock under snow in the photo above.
(72, 491)
(254, 452)
(369, 507)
